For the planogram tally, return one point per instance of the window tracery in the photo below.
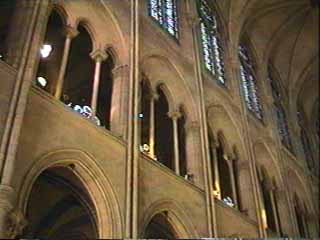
(282, 122)
(211, 41)
(249, 82)
(166, 14)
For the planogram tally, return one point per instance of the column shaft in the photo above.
(63, 68)
(176, 145)
(233, 183)
(95, 91)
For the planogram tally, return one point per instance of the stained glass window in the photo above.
(249, 83)
(282, 123)
(211, 41)
(165, 13)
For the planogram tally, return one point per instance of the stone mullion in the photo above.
(99, 56)
(70, 34)
(175, 116)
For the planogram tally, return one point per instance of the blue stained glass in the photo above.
(165, 12)
(248, 81)
(210, 39)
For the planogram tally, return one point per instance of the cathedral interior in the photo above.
(159, 119)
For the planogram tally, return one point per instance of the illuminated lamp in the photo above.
(42, 81)
(45, 50)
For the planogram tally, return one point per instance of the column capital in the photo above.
(174, 115)
(17, 222)
(70, 32)
(99, 55)
(154, 95)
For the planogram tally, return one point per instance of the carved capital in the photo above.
(174, 115)
(17, 222)
(70, 32)
(99, 55)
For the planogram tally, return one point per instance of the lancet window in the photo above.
(166, 14)
(211, 41)
(249, 81)
(281, 118)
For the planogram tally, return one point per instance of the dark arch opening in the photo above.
(59, 207)
(212, 154)
(7, 8)
(224, 174)
(144, 115)
(105, 92)
(182, 143)
(164, 131)
(264, 182)
(160, 228)
(78, 82)
(50, 60)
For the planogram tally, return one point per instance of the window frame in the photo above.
(251, 89)
(164, 24)
(213, 67)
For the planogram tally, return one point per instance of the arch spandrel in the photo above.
(160, 71)
(220, 121)
(96, 183)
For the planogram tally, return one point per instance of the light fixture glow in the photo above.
(42, 81)
(45, 50)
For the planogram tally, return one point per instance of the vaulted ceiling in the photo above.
(286, 33)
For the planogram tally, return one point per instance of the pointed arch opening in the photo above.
(59, 207)
(164, 131)
(51, 52)
(78, 81)
(224, 172)
(182, 142)
(160, 228)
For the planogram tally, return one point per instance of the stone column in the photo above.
(175, 116)
(120, 100)
(98, 56)
(154, 96)
(70, 33)
(233, 181)
(193, 145)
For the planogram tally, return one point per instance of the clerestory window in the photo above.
(282, 122)
(249, 82)
(166, 14)
(211, 41)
